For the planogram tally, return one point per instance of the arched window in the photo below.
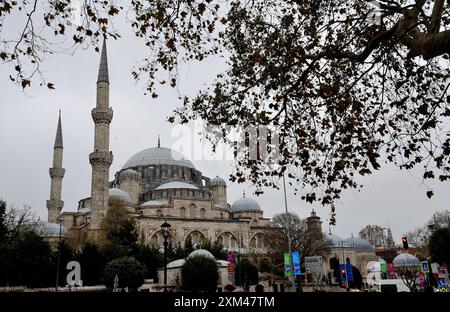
(192, 211)
(159, 213)
(158, 239)
(233, 242)
(202, 213)
(221, 215)
(183, 212)
(196, 238)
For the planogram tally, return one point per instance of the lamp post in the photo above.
(165, 230)
(61, 220)
(291, 277)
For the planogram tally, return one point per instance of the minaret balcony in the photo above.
(101, 159)
(55, 204)
(57, 173)
(102, 115)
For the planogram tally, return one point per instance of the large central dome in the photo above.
(158, 156)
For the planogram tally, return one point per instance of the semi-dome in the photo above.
(245, 204)
(217, 181)
(158, 156)
(176, 185)
(129, 174)
(406, 260)
(332, 240)
(52, 230)
(359, 244)
(119, 196)
(201, 252)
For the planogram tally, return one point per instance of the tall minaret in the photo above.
(101, 158)
(55, 204)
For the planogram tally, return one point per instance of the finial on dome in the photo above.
(159, 141)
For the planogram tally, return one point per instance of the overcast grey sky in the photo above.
(28, 125)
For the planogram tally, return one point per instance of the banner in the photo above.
(296, 263)
(287, 265)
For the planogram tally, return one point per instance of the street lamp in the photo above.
(165, 230)
(61, 220)
(291, 269)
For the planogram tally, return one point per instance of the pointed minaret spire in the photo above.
(243, 193)
(159, 141)
(103, 69)
(55, 204)
(59, 138)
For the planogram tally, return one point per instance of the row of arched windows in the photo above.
(228, 240)
(192, 213)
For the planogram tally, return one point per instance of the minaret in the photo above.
(55, 204)
(101, 158)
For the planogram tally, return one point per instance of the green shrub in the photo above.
(129, 271)
(200, 273)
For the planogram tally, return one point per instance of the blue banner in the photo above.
(296, 263)
(348, 268)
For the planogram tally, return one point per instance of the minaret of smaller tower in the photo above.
(55, 204)
(101, 158)
(314, 227)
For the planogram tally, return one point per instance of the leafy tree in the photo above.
(151, 258)
(439, 246)
(119, 228)
(66, 254)
(339, 92)
(301, 238)
(216, 248)
(3, 226)
(374, 234)
(92, 264)
(389, 239)
(246, 274)
(199, 273)
(129, 271)
(26, 262)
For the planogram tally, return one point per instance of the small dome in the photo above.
(158, 156)
(201, 252)
(406, 260)
(359, 244)
(119, 196)
(176, 185)
(245, 204)
(332, 240)
(176, 264)
(217, 181)
(52, 230)
(129, 174)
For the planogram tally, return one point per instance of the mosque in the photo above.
(155, 185)
(160, 185)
